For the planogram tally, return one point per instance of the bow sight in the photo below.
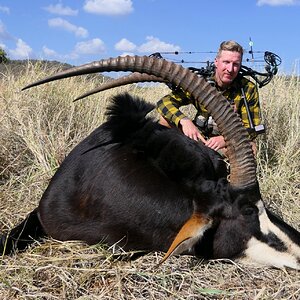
(272, 61)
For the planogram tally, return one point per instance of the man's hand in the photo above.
(216, 143)
(190, 130)
(254, 148)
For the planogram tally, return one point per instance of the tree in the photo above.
(3, 56)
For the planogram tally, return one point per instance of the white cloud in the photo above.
(108, 7)
(4, 9)
(22, 51)
(59, 9)
(91, 47)
(3, 33)
(125, 45)
(94, 46)
(155, 45)
(49, 52)
(127, 53)
(61, 23)
(52, 54)
(3, 47)
(277, 2)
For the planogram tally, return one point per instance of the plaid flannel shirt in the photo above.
(169, 105)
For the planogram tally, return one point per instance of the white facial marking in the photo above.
(264, 221)
(266, 226)
(263, 254)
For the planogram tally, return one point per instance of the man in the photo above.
(231, 84)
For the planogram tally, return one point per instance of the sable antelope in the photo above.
(143, 186)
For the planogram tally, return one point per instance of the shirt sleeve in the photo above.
(169, 106)
(252, 98)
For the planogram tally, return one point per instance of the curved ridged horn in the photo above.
(242, 163)
(132, 78)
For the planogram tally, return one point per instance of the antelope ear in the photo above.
(188, 235)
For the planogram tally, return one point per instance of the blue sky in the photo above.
(78, 32)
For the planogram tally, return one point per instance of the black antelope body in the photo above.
(142, 186)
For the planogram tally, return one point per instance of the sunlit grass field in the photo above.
(39, 127)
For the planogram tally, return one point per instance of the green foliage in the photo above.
(3, 56)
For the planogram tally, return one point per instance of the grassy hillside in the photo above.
(40, 126)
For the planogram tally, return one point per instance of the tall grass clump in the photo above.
(279, 155)
(40, 126)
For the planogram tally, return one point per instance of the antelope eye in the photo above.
(249, 210)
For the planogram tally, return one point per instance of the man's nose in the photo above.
(230, 67)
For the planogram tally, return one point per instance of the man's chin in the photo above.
(227, 80)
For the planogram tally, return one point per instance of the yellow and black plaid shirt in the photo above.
(169, 105)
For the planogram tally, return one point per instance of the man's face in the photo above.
(227, 67)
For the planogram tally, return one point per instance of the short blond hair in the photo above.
(230, 46)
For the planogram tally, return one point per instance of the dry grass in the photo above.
(38, 129)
